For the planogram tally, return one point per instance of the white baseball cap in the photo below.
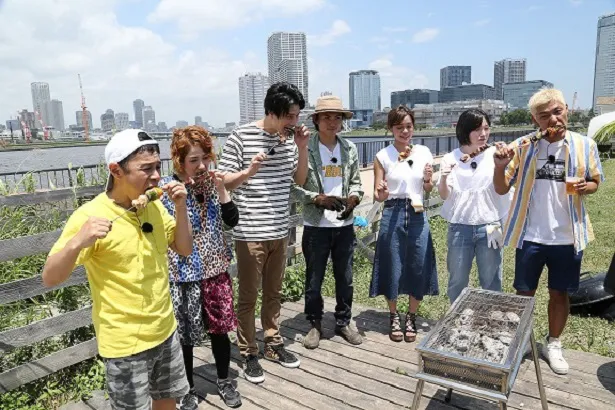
(121, 145)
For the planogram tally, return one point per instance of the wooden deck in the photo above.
(378, 374)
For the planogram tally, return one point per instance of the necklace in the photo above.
(405, 155)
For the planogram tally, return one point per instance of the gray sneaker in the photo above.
(312, 339)
(350, 335)
(190, 401)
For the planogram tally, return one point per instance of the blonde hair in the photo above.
(543, 97)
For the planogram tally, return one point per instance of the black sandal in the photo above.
(410, 332)
(395, 334)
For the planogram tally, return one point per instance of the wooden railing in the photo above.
(25, 289)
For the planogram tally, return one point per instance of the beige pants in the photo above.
(259, 263)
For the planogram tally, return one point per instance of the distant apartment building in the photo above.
(410, 98)
(361, 118)
(518, 94)
(467, 92)
(79, 119)
(287, 60)
(454, 75)
(509, 70)
(107, 121)
(138, 106)
(252, 92)
(447, 114)
(604, 70)
(364, 90)
(149, 119)
(28, 118)
(54, 115)
(181, 124)
(40, 97)
(121, 121)
(162, 127)
(198, 120)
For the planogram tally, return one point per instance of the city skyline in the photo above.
(155, 52)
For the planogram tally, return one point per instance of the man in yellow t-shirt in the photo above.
(127, 268)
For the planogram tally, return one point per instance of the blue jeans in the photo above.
(318, 245)
(464, 243)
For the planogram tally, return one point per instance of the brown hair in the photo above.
(397, 115)
(184, 138)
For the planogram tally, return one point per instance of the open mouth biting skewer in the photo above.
(524, 141)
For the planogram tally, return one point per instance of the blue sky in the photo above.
(184, 56)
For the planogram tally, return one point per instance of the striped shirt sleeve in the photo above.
(512, 169)
(594, 169)
(232, 154)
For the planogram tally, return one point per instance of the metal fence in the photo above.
(367, 148)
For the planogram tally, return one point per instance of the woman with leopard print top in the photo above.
(201, 288)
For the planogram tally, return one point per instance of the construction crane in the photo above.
(45, 130)
(84, 113)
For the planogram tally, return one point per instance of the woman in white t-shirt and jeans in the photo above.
(405, 262)
(472, 207)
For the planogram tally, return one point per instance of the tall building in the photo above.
(287, 60)
(28, 118)
(364, 89)
(518, 94)
(198, 120)
(107, 120)
(455, 75)
(604, 71)
(509, 70)
(121, 121)
(181, 124)
(467, 92)
(40, 96)
(410, 98)
(54, 115)
(138, 106)
(252, 91)
(162, 127)
(447, 114)
(148, 120)
(79, 119)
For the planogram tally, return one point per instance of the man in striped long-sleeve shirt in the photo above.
(548, 225)
(262, 160)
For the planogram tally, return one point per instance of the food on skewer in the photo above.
(524, 141)
(149, 195)
(403, 156)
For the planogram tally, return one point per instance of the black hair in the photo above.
(280, 97)
(468, 121)
(149, 148)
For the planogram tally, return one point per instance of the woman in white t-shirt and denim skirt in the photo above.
(472, 207)
(405, 262)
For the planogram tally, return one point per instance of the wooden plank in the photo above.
(26, 373)
(208, 392)
(28, 288)
(28, 245)
(49, 196)
(43, 329)
(272, 394)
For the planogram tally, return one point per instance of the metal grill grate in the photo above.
(476, 377)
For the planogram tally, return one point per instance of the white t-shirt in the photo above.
(332, 184)
(405, 180)
(472, 199)
(549, 220)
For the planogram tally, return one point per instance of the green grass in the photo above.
(588, 334)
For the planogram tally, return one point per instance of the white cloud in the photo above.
(394, 29)
(339, 28)
(425, 35)
(482, 22)
(395, 78)
(117, 63)
(194, 16)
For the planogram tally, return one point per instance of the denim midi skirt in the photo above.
(405, 261)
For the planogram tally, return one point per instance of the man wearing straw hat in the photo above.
(330, 194)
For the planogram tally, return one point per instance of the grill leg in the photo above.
(541, 387)
(417, 394)
(449, 395)
(503, 406)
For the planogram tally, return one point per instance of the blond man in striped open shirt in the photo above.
(548, 225)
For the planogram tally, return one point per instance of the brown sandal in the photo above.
(395, 334)
(410, 332)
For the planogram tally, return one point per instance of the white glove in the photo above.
(495, 238)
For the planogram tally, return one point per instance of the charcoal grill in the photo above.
(478, 346)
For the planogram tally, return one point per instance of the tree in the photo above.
(379, 125)
(519, 116)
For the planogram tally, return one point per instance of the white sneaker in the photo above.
(552, 351)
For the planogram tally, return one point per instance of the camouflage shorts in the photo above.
(157, 373)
